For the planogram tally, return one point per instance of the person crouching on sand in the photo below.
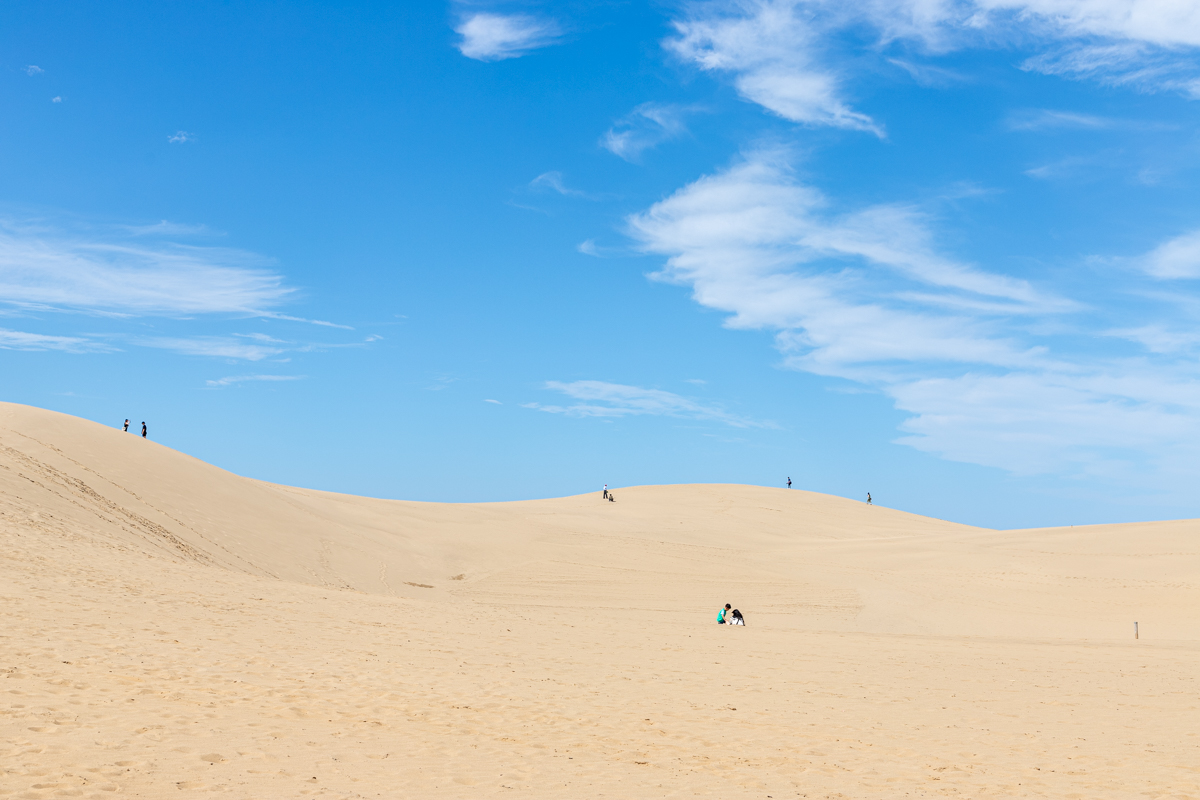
(721, 614)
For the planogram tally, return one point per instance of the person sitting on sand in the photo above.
(721, 614)
(737, 618)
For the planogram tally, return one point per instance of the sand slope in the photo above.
(173, 628)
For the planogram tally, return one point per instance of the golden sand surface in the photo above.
(171, 629)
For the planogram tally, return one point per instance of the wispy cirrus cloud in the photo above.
(231, 347)
(181, 137)
(166, 228)
(239, 346)
(148, 289)
(647, 126)
(234, 380)
(756, 221)
(495, 37)
(772, 51)
(613, 400)
(1174, 259)
(1042, 119)
(42, 265)
(1138, 65)
(554, 182)
(20, 340)
(1149, 45)
(783, 54)
(33, 69)
(867, 296)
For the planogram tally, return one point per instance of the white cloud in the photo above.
(1139, 43)
(496, 402)
(43, 266)
(866, 296)
(214, 346)
(289, 318)
(779, 53)
(55, 99)
(1097, 420)
(494, 37)
(588, 247)
(236, 379)
(1048, 119)
(19, 340)
(554, 181)
(755, 223)
(1161, 22)
(167, 228)
(928, 75)
(1158, 338)
(1123, 63)
(647, 126)
(772, 49)
(602, 399)
(1068, 167)
(1174, 259)
(180, 137)
(33, 69)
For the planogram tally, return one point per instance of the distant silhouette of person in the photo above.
(605, 495)
(127, 426)
(789, 483)
(143, 430)
(868, 498)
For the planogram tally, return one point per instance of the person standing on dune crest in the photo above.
(143, 430)
(127, 426)
(789, 482)
(605, 495)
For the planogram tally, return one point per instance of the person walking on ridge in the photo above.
(789, 482)
(127, 426)
(868, 498)
(143, 429)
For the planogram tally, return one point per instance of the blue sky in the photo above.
(945, 252)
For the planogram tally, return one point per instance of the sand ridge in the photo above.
(174, 629)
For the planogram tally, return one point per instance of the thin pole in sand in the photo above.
(1135, 631)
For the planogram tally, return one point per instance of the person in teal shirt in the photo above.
(721, 614)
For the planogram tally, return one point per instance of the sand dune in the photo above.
(172, 628)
